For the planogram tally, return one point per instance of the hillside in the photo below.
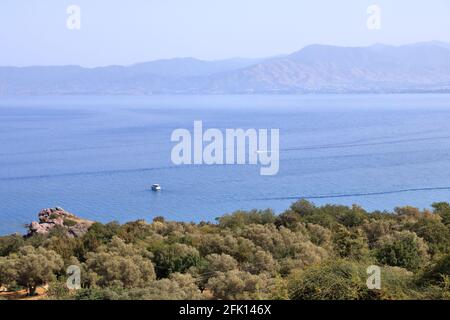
(307, 252)
(421, 67)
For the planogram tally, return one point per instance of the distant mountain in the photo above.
(421, 67)
(187, 67)
(433, 43)
(142, 78)
(320, 68)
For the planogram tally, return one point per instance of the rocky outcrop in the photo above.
(58, 217)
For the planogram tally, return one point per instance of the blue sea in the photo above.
(98, 156)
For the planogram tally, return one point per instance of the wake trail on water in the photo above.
(347, 195)
(89, 173)
(350, 145)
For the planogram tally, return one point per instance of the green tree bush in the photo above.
(403, 249)
(120, 264)
(31, 267)
(177, 257)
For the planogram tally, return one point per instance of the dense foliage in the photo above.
(307, 252)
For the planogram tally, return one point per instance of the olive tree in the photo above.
(237, 284)
(120, 264)
(402, 249)
(173, 258)
(32, 267)
(7, 271)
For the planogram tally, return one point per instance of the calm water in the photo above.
(98, 156)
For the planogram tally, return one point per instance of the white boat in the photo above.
(156, 187)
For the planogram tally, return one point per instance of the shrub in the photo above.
(332, 280)
(349, 244)
(175, 258)
(435, 233)
(236, 284)
(443, 210)
(10, 244)
(239, 219)
(402, 249)
(69, 222)
(120, 264)
(437, 273)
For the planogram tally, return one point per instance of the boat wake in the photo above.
(88, 173)
(353, 145)
(347, 195)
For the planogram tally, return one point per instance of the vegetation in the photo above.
(307, 252)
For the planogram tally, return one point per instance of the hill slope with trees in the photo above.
(307, 252)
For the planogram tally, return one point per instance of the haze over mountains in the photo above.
(421, 67)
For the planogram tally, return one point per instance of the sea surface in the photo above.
(98, 156)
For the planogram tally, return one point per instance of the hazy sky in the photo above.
(34, 32)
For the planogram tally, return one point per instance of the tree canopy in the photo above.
(306, 252)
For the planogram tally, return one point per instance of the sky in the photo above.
(35, 32)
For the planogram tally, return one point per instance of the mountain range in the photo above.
(420, 67)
